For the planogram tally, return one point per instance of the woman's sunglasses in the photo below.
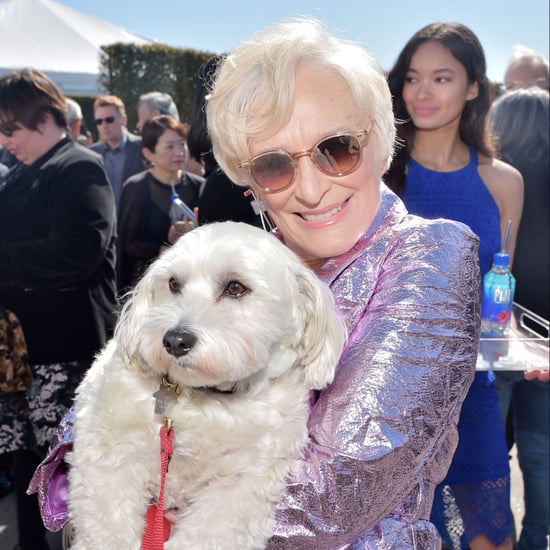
(7, 128)
(336, 155)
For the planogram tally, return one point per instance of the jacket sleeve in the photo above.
(383, 433)
(134, 194)
(131, 249)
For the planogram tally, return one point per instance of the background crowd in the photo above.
(72, 244)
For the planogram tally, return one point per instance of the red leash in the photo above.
(157, 528)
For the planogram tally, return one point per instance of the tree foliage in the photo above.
(129, 70)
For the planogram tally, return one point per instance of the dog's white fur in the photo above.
(232, 451)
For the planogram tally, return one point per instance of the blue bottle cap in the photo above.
(501, 258)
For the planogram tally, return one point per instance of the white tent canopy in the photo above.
(62, 42)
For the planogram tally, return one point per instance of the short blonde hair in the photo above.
(253, 89)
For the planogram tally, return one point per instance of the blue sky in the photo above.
(382, 26)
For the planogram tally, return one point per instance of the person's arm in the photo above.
(134, 193)
(81, 218)
(384, 431)
(506, 186)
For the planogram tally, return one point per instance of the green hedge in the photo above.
(128, 70)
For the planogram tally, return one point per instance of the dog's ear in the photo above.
(324, 334)
(137, 302)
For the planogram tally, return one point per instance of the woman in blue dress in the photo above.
(445, 168)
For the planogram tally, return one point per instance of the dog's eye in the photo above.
(174, 285)
(235, 289)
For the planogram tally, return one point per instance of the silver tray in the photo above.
(526, 347)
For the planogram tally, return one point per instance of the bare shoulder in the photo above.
(505, 184)
(501, 178)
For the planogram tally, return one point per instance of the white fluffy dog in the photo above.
(240, 331)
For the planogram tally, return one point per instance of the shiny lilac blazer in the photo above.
(384, 432)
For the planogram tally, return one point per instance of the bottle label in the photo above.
(497, 304)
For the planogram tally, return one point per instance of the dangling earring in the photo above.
(260, 210)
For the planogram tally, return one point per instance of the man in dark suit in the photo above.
(121, 150)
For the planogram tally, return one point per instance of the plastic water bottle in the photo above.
(178, 209)
(499, 286)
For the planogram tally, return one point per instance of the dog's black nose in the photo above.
(178, 342)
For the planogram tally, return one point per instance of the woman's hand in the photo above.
(182, 227)
(178, 229)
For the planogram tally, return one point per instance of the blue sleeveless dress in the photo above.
(474, 497)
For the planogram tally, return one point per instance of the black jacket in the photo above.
(223, 200)
(57, 253)
(143, 221)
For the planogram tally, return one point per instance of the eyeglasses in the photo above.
(336, 155)
(7, 128)
(107, 119)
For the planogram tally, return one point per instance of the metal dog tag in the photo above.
(164, 398)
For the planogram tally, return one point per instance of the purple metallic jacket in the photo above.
(383, 433)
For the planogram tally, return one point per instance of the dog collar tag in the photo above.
(165, 398)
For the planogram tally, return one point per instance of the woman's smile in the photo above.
(327, 215)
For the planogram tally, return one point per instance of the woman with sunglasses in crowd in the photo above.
(305, 119)
(57, 271)
(446, 168)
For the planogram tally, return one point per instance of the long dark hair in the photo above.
(465, 48)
